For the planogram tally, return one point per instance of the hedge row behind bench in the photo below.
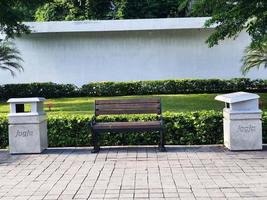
(203, 127)
(98, 89)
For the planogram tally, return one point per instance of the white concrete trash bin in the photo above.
(242, 121)
(27, 130)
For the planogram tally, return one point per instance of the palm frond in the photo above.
(10, 59)
(254, 57)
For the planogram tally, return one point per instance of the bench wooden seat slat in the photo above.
(127, 106)
(128, 125)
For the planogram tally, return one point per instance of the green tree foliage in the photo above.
(97, 9)
(117, 9)
(111, 9)
(155, 8)
(233, 16)
(11, 19)
(205, 8)
(58, 10)
(27, 8)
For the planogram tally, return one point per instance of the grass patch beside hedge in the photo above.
(171, 103)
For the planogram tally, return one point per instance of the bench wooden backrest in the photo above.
(128, 106)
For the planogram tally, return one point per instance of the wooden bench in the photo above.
(130, 106)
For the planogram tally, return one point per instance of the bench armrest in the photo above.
(161, 120)
(93, 121)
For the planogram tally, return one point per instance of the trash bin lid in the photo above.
(236, 97)
(26, 100)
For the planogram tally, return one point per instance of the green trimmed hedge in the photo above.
(3, 132)
(181, 128)
(179, 86)
(47, 90)
(204, 127)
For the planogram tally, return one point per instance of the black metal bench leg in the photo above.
(94, 138)
(162, 141)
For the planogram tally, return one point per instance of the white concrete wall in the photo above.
(80, 58)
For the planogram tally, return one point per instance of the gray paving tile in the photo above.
(197, 172)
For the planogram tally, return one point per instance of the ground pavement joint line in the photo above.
(121, 183)
(110, 177)
(73, 176)
(96, 180)
(55, 160)
(12, 170)
(176, 188)
(23, 179)
(82, 181)
(160, 177)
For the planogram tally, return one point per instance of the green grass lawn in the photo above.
(171, 103)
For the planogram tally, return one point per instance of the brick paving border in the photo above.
(196, 172)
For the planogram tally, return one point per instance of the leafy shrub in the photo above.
(3, 132)
(57, 10)
(179, 86)
(48, 90)
(101, 89)
(204, 127)
(65, 130)
(264, 127)
(181, 128)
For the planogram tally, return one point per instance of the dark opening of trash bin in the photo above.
(20, 108)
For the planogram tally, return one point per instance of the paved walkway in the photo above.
(135, 173)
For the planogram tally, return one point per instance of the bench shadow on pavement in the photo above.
(138, 149)
(6, 158)
(144, 149)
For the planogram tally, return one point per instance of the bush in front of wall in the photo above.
(104, 89)
(47, 90)
(179, 86)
